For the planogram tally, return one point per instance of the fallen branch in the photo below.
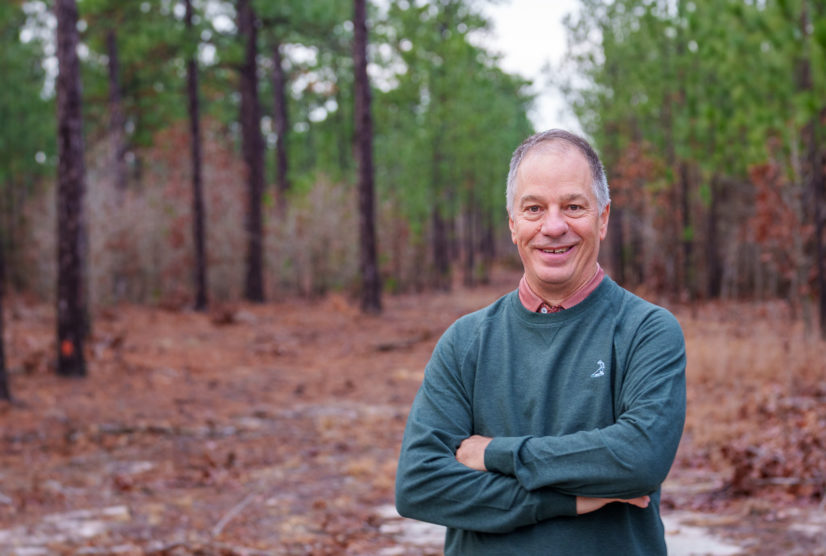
(234, 511)
(403, 343)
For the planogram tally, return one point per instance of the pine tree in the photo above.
(72, 322)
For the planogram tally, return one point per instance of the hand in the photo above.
(471, 452)
(588, 505)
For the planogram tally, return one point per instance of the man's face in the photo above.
(555, 222)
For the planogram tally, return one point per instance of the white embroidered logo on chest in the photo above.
(600, 370)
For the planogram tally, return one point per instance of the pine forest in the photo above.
(232, 231)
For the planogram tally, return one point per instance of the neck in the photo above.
(556, 299)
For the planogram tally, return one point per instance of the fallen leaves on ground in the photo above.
(275, 429)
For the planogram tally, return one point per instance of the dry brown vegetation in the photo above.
(141, 241)
(756, 393)
(274, 429)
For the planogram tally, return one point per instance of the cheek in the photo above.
(524, 233)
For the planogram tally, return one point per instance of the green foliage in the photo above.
(27, 145)
(27, 134)
(152, 47)
(446, 129)
(446, 117)
(710, 90)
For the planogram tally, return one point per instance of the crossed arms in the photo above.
(449, 475)
(471, 453)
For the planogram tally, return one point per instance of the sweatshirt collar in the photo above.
(533, 303)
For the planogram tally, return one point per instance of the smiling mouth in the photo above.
(557, 251)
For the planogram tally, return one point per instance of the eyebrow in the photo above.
(528, 199)
(578, 197)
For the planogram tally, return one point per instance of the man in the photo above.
(547, 421)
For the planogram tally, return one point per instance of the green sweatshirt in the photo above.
(589, 401)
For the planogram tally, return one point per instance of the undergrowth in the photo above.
(756, 385)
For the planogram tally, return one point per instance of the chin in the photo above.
(554, 279)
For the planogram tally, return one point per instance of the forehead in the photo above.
(554, 167)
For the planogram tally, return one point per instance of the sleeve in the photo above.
(628, 458)
(431, 485)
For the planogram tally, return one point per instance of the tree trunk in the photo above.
(440, 237)
(470, 235)
(441, 251)
(814, 164)
(253, 149)
(636, 242)
(819, 201)
(71, 239)
(487, 245)
(117, 129)
(10, 225)
(198, 218)
(5, 390)
(371, 285)
(714, 269)
(279, 87)
(818, 185)
(673, 239)
(814, 161)
(687, 237)
(617, 233)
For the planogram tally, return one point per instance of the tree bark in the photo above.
(636, 242)
(279, 87)
(441, 251)
(198, 217)
(487, 245)
(371, 284)
(470, 235)
(617, 232)
(5, 390)
(687, 236)
(253, 150)
(814, 161)
(819, 201)
(72, 322)
(814, 164)
(714, 268)
(819, 210)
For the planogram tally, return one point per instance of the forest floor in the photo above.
(274, 429)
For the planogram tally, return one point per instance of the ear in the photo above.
(603, 221)
(512, 226)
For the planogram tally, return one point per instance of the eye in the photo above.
(532, 212)
(575, 210)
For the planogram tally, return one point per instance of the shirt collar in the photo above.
(534, 303)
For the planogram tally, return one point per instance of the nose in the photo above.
(554, 224)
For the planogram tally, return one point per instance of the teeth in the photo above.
(556, 251)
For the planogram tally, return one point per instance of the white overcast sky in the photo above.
(529, 34)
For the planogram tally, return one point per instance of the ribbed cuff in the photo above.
(552, 503)
(501, 453)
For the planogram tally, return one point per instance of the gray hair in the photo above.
(564, 139)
